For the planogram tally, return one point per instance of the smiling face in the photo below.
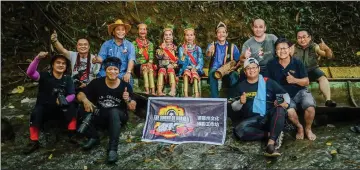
(112, 73)
(142, 31)
(119, 32)
(221, 34)
(303, 38)
(252, 70)
(59, 65)
(283, 50)
(259, 28)
(190, 36)
(83, 46)
(168, 36)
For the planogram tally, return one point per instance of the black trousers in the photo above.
(51, 112)
(258, 127)
(111, 119)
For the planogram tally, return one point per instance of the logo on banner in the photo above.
(171, 122)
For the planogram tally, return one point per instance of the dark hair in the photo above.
(68, 64)
(303, 29)
(282, 40)
(111, 61)
(252, 23)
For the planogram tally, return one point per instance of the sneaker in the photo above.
(91, 143)
(31, 147)
(330, 103)
(279, 140)
(112, 156)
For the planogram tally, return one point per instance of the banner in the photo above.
(186, 120)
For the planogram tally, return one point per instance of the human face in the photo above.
(303, 38)
(59, 65)
(283, 50)
(259, 28)
(190, 36)
(168, 36)
(83, 46)
(119, 32)
(221, 34)
(252, 70)
(142, 31)
(112, 73)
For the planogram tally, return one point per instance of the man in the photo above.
(144, 50)
(166, 55)
(221, 52)
(118, 47)
(55, 97)
(192, 61)
(309, 53)
(292, 75)
(83, 70)
(260, 46)
(105, 93)
(263, 120)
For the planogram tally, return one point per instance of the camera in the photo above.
(87, 120)
(77, 79)
(279, 98)
(60, 94)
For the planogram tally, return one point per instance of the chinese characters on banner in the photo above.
(186, 120)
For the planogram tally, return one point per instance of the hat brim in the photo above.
(111, 27)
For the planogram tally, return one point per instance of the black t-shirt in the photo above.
(272, 89)
(104, 97)
(49, 87)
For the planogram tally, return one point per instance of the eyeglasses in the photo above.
(282, 49)
(250, 68)
(303, 37)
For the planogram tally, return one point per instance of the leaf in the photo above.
(18, 89)
(328, 143)
(147, 160)
(333, 152)
(358, 53)
(50, 156)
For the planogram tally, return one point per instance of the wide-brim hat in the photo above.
(118, 22)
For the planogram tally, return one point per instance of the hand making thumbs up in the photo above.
(54, 37)
(96, 59)
(290, 79)
(243, 98)
(247, 53)
(126, 95)
(322, 45)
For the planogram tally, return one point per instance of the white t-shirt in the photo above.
(94, 68)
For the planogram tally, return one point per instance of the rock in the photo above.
(7, 132)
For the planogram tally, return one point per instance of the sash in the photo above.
(171, 56)
(191, 56)
(144, 51)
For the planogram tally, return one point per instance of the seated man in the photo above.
(220, 53)
(309, 53)
(105, 93)
(292, 75)
(258, 95)
(54, 99)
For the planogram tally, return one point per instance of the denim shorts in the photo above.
(315, 74)
(304, 99)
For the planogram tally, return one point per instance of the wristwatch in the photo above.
(128, 71)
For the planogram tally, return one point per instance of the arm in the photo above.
(31, 71)
(200, 65)
(210, 49)
(151, 53)
(326, 52)
(59, 46)
(236, 106)
(87, 104)
(70, 89)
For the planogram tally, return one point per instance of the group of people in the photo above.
(272, 69)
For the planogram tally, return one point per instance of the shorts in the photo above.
(304, 99)
(315, 74)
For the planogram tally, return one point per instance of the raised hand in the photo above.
(126, 95)
(54, 37)
(42, 55)
(247, 53)
(322, 45)
(96, 59)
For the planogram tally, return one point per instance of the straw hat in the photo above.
(118, 22)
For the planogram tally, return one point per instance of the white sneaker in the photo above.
(279, 140)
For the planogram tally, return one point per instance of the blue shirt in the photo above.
(220, 51)
(278, 73)
(111, 49)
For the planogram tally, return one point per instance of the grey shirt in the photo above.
(94, 68)
(267, 47)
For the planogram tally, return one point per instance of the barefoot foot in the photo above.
(310, 135)
(300, 133)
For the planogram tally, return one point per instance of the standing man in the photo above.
(112, 97)
(260, 46)
(83, 71)
(118, 47)
(263, 120)
(220, 53)
(54, 99)
(144, 50)
(292, 75)
(309, 53)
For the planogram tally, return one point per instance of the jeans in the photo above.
(233, 77)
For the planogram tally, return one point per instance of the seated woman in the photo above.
(144, 51)
(166, 54)
(192, 62)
